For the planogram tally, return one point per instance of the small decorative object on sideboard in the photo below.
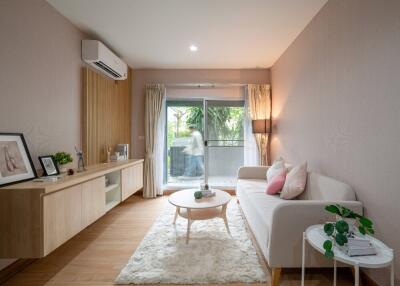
(49, 165)
(117, 157)
(15, 161)
(123, 150)
(348, 232)
(49, 179)
(81, 163)
(108, 154)
(62, 159)
(70, 172)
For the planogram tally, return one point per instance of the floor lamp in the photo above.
(262, 130)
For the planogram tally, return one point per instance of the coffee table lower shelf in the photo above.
(201, 214)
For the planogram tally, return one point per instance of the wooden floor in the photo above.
(98, 253)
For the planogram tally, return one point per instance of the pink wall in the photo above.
(336, 98)
(168, 76)
(40, 79)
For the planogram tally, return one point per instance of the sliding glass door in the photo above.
(185, 143)
(203, 146)
(224, 140)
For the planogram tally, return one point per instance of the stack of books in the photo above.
(207, 193)
(358, 246)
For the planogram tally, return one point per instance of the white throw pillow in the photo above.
(275, 169)
(295, 182)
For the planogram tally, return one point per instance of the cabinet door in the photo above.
(127, 182)
(138, 176)
(93, 201)
(62, 217)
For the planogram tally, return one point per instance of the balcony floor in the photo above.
(223, 182)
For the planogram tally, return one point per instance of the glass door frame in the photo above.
(205, 139)
(223, 103)
(205, 103)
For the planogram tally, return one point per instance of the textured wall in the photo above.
(168, 76)
(40, 79)
(336, 96)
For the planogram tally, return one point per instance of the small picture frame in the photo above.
(49, 166)
(15, 161)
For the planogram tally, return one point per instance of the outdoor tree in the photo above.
(179, 113)
(224, 123)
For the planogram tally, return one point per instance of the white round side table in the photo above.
(316, 236)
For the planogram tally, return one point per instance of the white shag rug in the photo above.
(211, 257)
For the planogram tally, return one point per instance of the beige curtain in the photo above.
(259, 103)
(155, 97)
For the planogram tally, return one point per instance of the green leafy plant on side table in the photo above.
(339, 231)
(62, 158)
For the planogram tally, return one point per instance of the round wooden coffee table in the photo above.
(205, 208)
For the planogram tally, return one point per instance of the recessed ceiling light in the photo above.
(193, 48)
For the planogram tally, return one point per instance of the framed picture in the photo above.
(49, 166)
(15, 161)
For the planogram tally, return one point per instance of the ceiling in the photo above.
(158, 33)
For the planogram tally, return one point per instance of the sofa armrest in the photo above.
(289, 220)
(252, 172)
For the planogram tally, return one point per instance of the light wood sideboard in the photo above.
(132, 180)
(36, 218)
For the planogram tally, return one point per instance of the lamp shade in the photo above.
(261, 126)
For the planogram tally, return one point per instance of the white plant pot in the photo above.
(62, 168)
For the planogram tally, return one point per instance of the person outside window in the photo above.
(195, 152)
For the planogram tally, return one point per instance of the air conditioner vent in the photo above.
(103, 66)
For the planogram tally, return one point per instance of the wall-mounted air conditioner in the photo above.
(97, 55)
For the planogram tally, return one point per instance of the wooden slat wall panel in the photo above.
(106, 114)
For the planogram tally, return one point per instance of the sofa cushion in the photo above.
(275, 169)
(265, 205)
(254, 190)
(252, 185)
(261, 205)
(295, 182)
(255, 220)
(276, 184)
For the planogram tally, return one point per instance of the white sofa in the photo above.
(278, 224)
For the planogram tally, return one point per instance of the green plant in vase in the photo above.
(346, 224)
(62, 158)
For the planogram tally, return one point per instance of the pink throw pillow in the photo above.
(276, 184)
